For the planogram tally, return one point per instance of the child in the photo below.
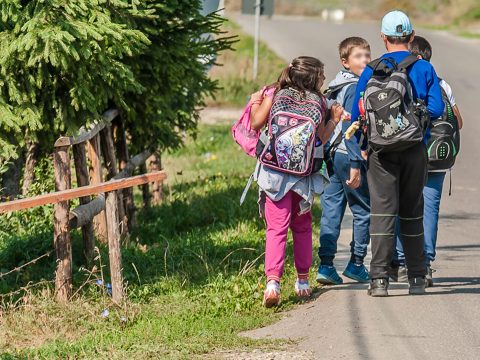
(287, 198)
(432, 192)
(397, 156)
(348, 184)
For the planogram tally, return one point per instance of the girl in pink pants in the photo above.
(280, 216)
(285, 197)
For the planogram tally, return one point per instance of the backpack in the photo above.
(444, 143)
(292, 127)
(395, 120)
(242, 131)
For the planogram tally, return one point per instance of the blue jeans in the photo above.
(432, 194)
(334, 201)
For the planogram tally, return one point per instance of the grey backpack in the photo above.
(395, 119)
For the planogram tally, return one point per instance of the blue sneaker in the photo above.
(327, 275)
(357, 272)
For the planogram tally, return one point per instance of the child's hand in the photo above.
(364, 154)
(355, 178)
(337, 112)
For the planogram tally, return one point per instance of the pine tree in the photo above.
(62, 62)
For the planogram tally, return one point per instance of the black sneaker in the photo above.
(417, 285)
(429, 277)
(378, 287)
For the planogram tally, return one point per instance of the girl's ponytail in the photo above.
(304, 73)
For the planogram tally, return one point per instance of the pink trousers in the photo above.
(281, 215)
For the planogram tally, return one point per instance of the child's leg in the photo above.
(432, 194)
(359, 203)
(333, 202)
(302, 237)
(277, 215)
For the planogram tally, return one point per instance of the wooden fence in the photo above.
(108, 215)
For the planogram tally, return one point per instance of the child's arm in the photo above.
(327, 127)
(260, 110)
(456, 111)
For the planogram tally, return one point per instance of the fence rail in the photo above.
(56, 197)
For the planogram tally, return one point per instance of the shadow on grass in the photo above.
(196, 236)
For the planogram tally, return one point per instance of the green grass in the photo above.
(235, 73)
(194, 268)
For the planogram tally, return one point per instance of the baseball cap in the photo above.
(396, 23)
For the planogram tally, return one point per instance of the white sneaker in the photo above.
(271, 296)
(302, 288)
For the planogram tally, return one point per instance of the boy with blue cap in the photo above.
(397, 156)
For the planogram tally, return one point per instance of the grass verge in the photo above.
(194, 268)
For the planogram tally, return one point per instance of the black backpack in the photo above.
(444, 143)
(395, 120)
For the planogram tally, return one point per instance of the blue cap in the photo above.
(396, 23)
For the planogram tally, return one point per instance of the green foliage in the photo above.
(173, 71)
(63, 62)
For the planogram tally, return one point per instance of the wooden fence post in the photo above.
(114, 253)
(157, 187)
(61, 235)
(81, 170)
(99, 221)
(110, 159)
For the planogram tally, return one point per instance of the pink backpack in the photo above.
(242, 131)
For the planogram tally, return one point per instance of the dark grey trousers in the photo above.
(396, 181)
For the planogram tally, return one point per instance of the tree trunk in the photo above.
(145, 188)
(96, 177)
(110, 160)
(81, 170)
(30, 163)
(10, 188)
(61, 237)
(123, 157)
(155, 164)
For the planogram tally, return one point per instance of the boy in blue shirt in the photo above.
(396, 178)
(348, 182)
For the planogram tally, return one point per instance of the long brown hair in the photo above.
(304, 73)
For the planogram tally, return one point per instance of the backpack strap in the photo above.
(444, 93)
(331, 91)
(381, 64)
(407, 62)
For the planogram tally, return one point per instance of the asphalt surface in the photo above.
(343, 322)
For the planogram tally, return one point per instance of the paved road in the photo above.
(343, 322)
